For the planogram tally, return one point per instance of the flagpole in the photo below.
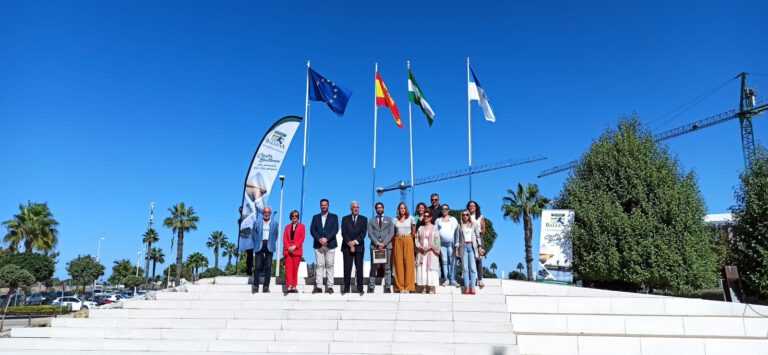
(469, 130)
(410, 134)
(375, 125)
(304, 158)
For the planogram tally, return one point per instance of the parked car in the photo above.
(36, 299)
(102, 300)
(74, 303)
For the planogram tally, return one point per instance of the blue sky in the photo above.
(108, 106)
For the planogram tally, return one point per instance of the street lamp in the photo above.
(98, 251)
(279, 228)
(138, 259)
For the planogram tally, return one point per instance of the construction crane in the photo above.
(748, 108)
(404, 185)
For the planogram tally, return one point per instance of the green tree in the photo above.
(638, 216)
(217, 241)
(40, 266)
(525, 204)
(120, 270)
(156, 255)
(494, 267)
(13, 277)
(132, 281)
(196, 261)
(230, 250)
(84, 270)
(520, 267)
(182, 220)
(186, 272)
(149, 237)
(749, 245)
(517, 275)
(34, 228)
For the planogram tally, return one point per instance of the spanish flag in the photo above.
(383, 99)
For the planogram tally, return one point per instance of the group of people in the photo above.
(420, 248)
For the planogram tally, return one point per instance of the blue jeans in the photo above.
(449, 260)
(469, 265)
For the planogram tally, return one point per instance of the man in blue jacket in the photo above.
(323, 230)
(264, 236)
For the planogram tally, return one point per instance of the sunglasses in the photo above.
(465, 214)
(294, 215)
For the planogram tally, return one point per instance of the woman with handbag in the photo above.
(428, 252)
(293, 240)
(467, 245)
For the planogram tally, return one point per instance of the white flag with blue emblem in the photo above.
(476, 92)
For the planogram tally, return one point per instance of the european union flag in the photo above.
(322, 89)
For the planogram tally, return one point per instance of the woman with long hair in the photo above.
(476, 217)
(403, 251)
(427, 257)
(421, 207)
(466, 249)
(293, 240)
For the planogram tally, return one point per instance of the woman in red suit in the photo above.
(293, 240)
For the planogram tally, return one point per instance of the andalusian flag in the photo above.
(383, 99)
(417, 97)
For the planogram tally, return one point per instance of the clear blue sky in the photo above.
(107, 106)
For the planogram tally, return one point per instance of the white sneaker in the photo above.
(446, 283)
(481, 284)
(455, 284)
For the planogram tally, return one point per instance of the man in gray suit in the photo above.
(381, 230)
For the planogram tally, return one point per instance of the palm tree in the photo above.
(182, 220)
(230, 250)
(157, 256)
(217, 241)
(520, 267)
(525, 204)
(34, 227)
(196, 261)
(149, 237)
(494, 267)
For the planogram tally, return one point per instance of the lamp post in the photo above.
(279, 228)
(138, 259)
(98, 251)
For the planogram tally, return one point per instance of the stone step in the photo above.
(525, 288)
(276, 324)
(468, 316)
(663, 306)
(640, 325)
(15, 345)
(585, 344)
(445, 337)
(315, 304)
(307, 296)
(243, 280)
(337, 288)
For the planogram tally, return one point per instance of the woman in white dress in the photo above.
(427, 255)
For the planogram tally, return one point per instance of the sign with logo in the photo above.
(555, 252)
(263, 171)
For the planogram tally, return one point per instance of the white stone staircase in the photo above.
(224, 317)
(553, 319)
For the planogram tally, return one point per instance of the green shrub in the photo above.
(36, 310)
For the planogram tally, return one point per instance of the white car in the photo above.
(74, 303)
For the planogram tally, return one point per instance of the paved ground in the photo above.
(22, 322)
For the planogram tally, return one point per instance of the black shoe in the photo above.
(254, 289)
(329, 290)
(317, 290)
(265, 290)
(360, 291)
(370, 289)
(387, 290)
(344, 292)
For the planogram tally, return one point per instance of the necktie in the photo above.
(354, 220)
(379, 221)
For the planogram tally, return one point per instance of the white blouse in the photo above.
(404, 227)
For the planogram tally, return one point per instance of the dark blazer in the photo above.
(356, 231)
(331, 229)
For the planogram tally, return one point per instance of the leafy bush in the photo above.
(212, 272)
(36, 310)
(40, 266)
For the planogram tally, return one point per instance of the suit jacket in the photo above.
(331, 229)
(256, 236)
(298, 240)
(383, 234)
(353, 231)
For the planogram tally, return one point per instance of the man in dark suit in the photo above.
(323, 229)
(353, 229)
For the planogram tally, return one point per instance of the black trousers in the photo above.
(263, 259)
(249, 261)
(357, 258)
(479, 268)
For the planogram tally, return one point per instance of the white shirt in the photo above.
(468, 230)
(404, 227)
(447, 228)
(322, 218)
(265, 231)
